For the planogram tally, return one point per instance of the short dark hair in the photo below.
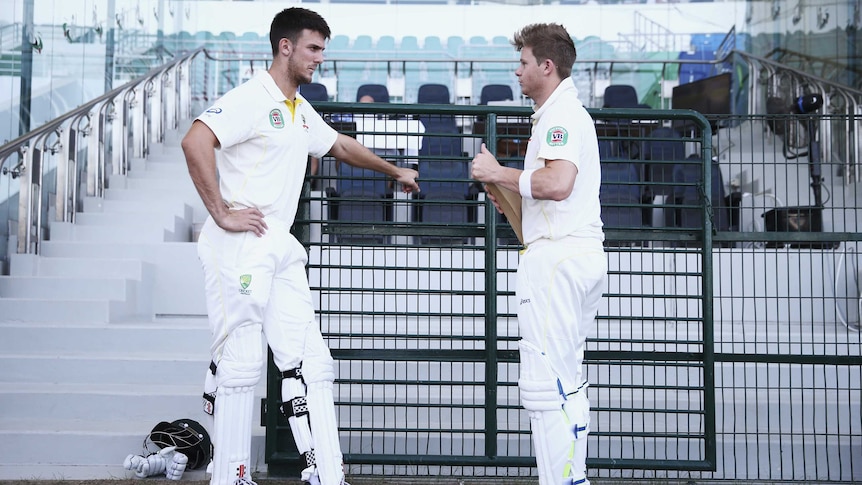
(549, 41)
(290, 22)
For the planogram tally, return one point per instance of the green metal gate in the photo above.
(419, 318)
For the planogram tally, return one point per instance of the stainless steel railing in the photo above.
(82, 147)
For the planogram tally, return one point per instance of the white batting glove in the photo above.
(176, 466)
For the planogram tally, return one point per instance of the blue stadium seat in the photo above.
(445, 177)
(688, 190)
(372, 203)
(314, 92)
(338, 43)
(409, 43)
(663, 151)
(377, 91)
(620, 195)
(432, 43)
(496, 92)
(620, 96)
(385, 43)
(433, 93)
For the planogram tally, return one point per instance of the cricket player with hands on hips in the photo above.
(247, 156)
(562, 272)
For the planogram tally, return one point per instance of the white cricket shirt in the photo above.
(265, 146)
(563, 130)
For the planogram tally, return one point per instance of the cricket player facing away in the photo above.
(563, 271)
(247, 157)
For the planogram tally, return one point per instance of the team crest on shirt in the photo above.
(244, 283)
(557, 136)
(276, 119)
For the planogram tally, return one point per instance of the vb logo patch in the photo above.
(244, 283)
(558, 136)
(276, 119)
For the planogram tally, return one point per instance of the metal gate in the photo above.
(417, 308)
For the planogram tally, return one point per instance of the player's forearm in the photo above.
(204, 176)
(506, 177)
(351, 151)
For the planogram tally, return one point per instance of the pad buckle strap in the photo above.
(213, 367)
(583, 385)
(296, 407)
(295, 373)
(309, 458)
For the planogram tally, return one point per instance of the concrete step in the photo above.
(31, 265)
(120, 219)
(177, 285)
(59, 288)
(161, 181)
(170, 162)
(150, 194)
(137, 339)
(172, 206)
(130, 231)
(104, 368)
(65, 311)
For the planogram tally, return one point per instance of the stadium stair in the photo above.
(104, 332)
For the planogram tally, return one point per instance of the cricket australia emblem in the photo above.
(276, 119)
(557, 136)
(244, 283)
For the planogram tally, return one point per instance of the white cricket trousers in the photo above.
(559, 289)
(257, 286)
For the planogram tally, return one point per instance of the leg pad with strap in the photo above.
(559, 422)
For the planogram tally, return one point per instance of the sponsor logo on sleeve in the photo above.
(213, 111)
(557, 136)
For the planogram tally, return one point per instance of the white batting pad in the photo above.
(232, 435)
(327, 447)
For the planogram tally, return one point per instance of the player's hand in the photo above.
(242, 220)
(484, 165)
(407, 178)
(493, 199)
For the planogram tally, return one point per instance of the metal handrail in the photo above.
(142, 102)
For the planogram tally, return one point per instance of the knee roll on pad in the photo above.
(539, 391)
(321, 370)
(242, 358)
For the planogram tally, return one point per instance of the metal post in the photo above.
(26, 90)
(110, 46)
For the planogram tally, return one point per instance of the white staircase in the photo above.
(105, 332)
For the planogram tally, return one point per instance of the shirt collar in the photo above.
(268, 83)
(566, 85)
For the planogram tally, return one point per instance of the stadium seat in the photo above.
(620, 96)
(314, 92)
(377, 91)
(496, 92)
(433, 94)
(688, 190)
(663, 151)
(371, 203)
(445, 177)
(620, 195)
